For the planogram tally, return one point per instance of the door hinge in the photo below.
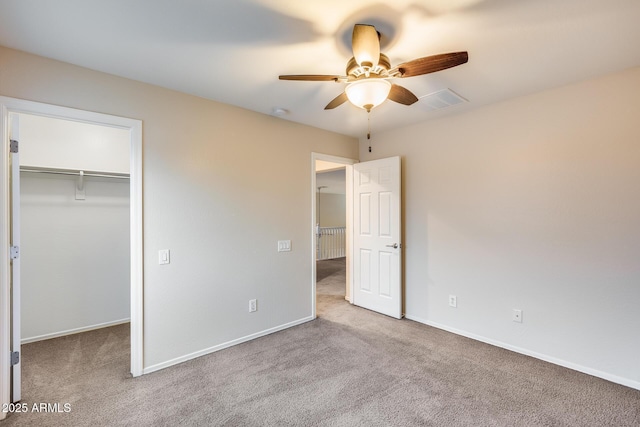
(13, 146)
(15, 358)
(15, 252)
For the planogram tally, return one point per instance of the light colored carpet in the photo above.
(350, 367)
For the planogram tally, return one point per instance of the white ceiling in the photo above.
(232, 51)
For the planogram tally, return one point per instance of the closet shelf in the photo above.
(56, 171)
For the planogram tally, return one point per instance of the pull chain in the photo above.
(369, 128)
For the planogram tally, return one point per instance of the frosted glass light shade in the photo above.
(368, 93)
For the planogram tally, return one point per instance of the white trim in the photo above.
(331, 158)
(349, 246)
(186, 357)
(349, 212)
(16, 306)
(136, 250)
(8, 105)
(73, 331)
(5, 307)
(560, 362)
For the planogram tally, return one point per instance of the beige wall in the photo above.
(531, 204)
(221, 186)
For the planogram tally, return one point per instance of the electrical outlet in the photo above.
(517, 315)
(253, 305)
(453, 301)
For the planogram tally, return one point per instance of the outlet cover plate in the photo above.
(453, 301)
(517, 315)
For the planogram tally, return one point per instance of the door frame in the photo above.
(348, 163)
(13, 105)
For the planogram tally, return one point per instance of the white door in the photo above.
(377, 249)
(15, 258)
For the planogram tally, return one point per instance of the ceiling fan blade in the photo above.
(337, 101)
(401, 95)
(366, 45)
(430, 64)
(312, 78)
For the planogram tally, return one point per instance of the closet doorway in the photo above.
(74, 227)
(80, 224)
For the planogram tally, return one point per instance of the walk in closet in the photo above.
(74, 222)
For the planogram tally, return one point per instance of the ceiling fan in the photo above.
(369, 71)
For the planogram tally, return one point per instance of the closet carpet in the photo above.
(349, 367)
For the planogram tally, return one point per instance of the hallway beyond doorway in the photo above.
(331, 283)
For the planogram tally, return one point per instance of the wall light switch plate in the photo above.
(284, 245)
(163, 256)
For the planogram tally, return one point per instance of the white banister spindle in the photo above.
(331, 242)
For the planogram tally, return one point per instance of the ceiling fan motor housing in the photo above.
(379, 71)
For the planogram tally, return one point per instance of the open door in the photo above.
(14, 164)
(377, 249)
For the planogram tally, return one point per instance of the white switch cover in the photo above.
(284, 245)
(163, 256)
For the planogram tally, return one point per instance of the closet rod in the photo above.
(73, 172)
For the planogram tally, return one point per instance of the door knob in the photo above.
(394, 246)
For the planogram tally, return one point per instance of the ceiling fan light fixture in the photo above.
(368, 93)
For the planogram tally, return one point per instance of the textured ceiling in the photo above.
(232, 51)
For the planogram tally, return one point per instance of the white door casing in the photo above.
(377, 249)
(13, 105)
(14, 161)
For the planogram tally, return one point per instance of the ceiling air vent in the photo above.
(441, 99)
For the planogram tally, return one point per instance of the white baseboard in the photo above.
(585, 370)
(222, 346)
(73, 331)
